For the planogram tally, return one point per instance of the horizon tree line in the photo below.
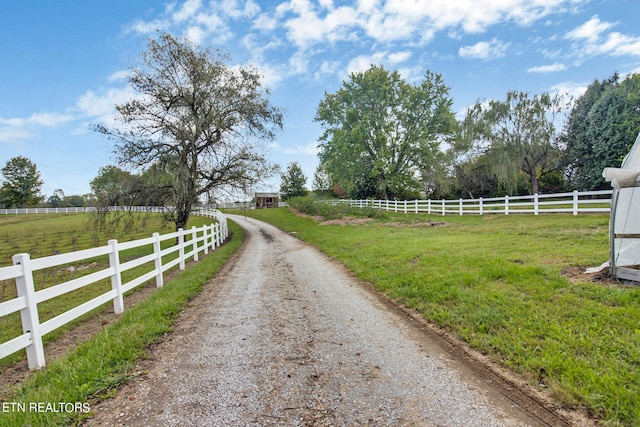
(198, 126)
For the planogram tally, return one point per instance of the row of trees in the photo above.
(385, 138)
(197, 126)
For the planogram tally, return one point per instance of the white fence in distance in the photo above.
(203, 239)
(575, 202)
(151, 209)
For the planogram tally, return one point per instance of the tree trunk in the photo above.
(535, 186)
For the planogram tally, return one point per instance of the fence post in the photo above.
(460, 206)
(506, 205)
(158, 261)
(181, 247)
(429, 206)
(443, 207)
(480, 211)
(417, 206)
(205, 236)
(29, 314)
(536, 205)
(194, 234)
(575, 202)
(116, 277)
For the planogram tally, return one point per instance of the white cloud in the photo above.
(119, 76)
(485, 50)
(12, 134)
(398, 57)
(21, 128)
(593, 38)
(618, 44)
(590, 31)
(232, 9)
(38, 119)
(272, 75)
(187, 11)
(195, 34)
(142, 27)
(310, 149)
(364, 62)
(265, 22)
(573, 89)
(102, 106)
(547, 68)
(327, 68)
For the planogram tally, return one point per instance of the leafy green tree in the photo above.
(75, 200)
(56, 199)
(22, 183)
(293, 182)
(518, 135)
(601, 128)
(202, 120)
(321, 181)
(381, 132)
(114, 186)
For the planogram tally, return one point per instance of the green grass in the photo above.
(496, 282)
(98, 366)
(47, 234)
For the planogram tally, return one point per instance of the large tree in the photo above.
(293, 182)
(198, 119)
(518, 135)
(22, 183)
(602, 126)
(380, 132)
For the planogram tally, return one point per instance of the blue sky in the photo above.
(62, 62)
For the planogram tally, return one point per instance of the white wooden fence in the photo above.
(154, 209)
(575, 202)
(203, 239)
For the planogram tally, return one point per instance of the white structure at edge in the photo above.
(624, 225)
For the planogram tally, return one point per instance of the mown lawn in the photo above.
(497, 283)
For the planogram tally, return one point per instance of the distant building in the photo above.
(267, 200)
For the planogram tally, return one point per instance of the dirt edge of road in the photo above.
(534, 402)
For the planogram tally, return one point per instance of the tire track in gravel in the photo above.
(285, 336)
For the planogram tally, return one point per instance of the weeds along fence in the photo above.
(190, 243)
(574, 202)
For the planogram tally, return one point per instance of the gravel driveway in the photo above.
(285, 336)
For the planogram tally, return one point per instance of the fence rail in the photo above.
(189, 244)
(153, 209)
(574, 202)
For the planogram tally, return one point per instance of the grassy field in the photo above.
(43, 235)
(497, 282)
(98, 366)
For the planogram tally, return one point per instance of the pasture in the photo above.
(509, 286)
(42, 235)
